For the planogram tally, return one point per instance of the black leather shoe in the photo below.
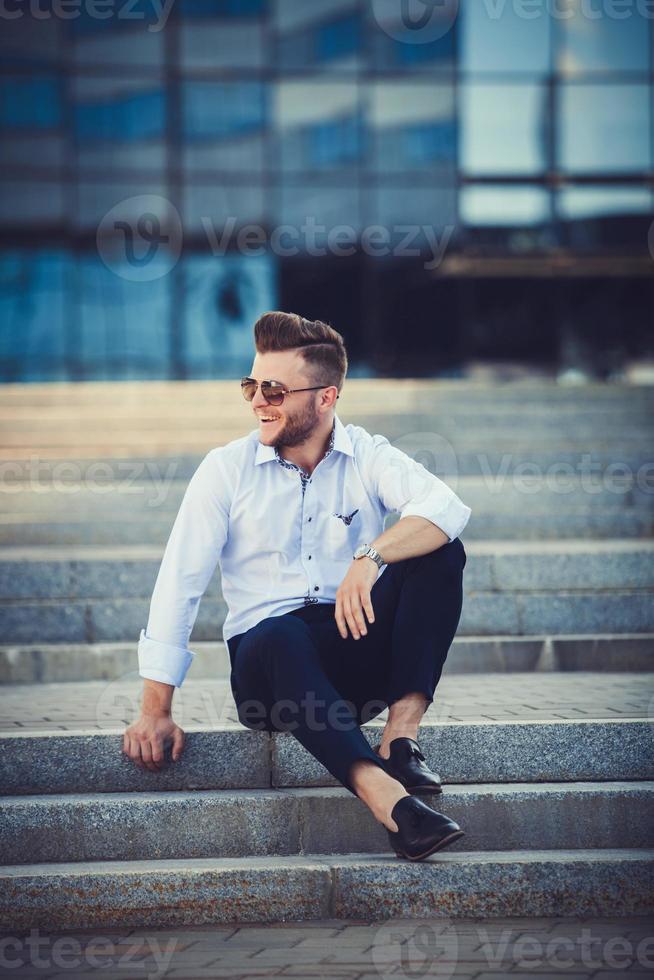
(406, 763)
(422, 831)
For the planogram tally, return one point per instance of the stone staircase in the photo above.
(542, 724)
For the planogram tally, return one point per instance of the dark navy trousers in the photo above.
(296, 673)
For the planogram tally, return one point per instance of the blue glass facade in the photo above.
(518, 133)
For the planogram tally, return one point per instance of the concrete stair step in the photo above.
(91, 595)
(168, 825)
(46, 663)
(486, 613)
(230, 756)
(631, 522)
(503, 494)
(105, 463)
(193, 891)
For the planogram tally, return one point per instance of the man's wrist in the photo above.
(157, 698)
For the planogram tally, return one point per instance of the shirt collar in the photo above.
(341, 443)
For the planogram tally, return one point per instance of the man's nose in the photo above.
(259, 401)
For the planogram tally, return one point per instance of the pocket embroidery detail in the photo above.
(347, 518)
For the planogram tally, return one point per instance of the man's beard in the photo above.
(298, 428)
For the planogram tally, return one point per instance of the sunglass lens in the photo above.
(274, 394)
(248, 389)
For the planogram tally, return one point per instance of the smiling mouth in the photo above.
(265, 421)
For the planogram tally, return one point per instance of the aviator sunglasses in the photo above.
(273, 391)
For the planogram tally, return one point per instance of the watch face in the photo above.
(361, 550)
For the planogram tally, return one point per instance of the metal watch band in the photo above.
(374, 554)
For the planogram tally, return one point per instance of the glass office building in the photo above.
(440, 180)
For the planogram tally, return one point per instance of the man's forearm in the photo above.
(157, 697)
(409, 537)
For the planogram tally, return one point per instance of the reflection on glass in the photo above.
(30, 103)
(128, 117)
(33, 314)
(431, 206)
(499, 38)
(222, 299)
(602, 42)
(309, 211)
(318, 125)
(504, 206)
(338, 38)
(223, 8)
(598, 218)
(412, 126)
(604, 128)
(222, 108)
(599, 202)
(503, 128)
(123, 325)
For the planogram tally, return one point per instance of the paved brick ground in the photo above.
(477, 949)
(484, 697)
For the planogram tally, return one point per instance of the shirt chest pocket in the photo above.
(342, 532)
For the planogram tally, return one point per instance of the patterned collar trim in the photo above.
(293, 466)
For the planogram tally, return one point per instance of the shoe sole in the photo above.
(438, 846)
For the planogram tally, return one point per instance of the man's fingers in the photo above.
(146, 754)
(358, 614)
(340, 619)
(178, 743)
(367, 605)
(350, 615)
(134, 751)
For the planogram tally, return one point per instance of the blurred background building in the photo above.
(499, 153)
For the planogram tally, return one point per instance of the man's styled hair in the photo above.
(322, 347)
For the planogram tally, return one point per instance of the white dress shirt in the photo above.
(284, 539)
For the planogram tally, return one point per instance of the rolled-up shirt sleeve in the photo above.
(194, 546)
(402, 484)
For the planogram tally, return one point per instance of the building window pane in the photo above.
(601, 217)
(413, 127)
(603, 43)
(311, 211)
(413, 35)
(604, 128)
(138, 13)
(33, 315)
(318, 125)
(30, 103)
(123, 324)
(333, 143)
(221, 109)
(221, 44)
(498, 38)
(126, 117)
(338, 38)
(223, 8)
(222, 299)
(504, 206)
(600, 202)
(503, 128)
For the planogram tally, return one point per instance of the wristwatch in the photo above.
(367, 551)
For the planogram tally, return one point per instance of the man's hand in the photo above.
(353, 597)
(144, 741)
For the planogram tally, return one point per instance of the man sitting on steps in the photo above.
(330, 619)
